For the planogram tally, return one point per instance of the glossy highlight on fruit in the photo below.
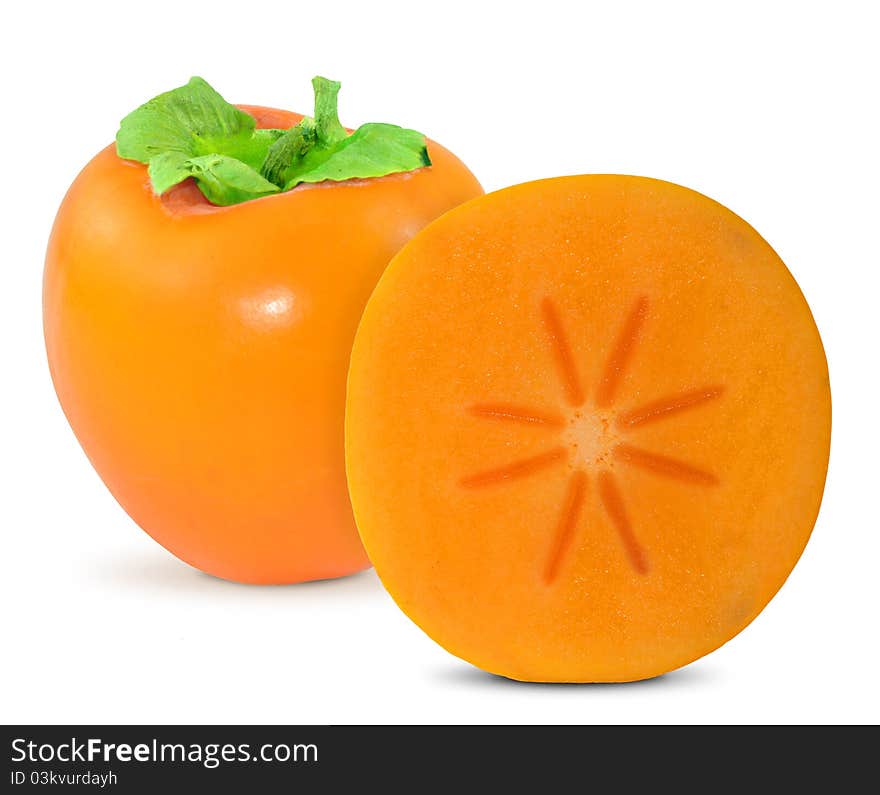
(200, 352)
(600, 446)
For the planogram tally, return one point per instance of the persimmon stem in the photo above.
(327, 125)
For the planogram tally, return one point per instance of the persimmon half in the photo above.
(200, 352)
(587, 428)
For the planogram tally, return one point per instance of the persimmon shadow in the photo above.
(464, 675)
(165, 573)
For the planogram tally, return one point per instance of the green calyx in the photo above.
(192, 131)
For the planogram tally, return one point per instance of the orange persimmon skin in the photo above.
(600, 446)
(200, 352)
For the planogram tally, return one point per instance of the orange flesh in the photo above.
(587, 428)
(200, 352)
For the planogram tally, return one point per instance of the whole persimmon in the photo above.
(203, 283)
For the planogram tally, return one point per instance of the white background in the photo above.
(771, 108)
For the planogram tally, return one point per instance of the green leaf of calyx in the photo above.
(225, 180)
(174, 131)
(195, 120)
(192, 131)
(321, 149)
(167, 169)
(373, 150)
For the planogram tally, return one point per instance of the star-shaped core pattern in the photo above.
(594, 437)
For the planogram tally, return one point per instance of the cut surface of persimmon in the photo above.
(587, 428)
